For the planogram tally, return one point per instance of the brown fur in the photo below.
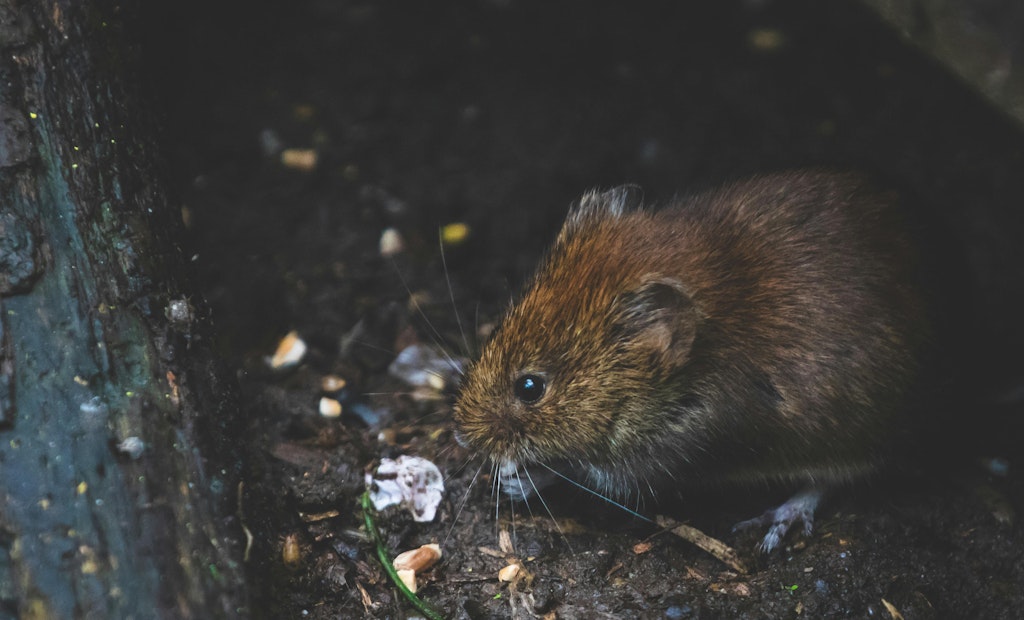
(766, 331)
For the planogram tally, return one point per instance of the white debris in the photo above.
(132, 446)
(411, 481)
(423, 366)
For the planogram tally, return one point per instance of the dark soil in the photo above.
(497, 114)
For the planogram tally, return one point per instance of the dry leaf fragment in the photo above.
(895, 613)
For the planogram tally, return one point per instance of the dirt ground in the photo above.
(497, 114)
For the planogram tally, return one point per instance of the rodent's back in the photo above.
(765, 330)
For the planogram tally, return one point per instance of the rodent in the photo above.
(768, 331)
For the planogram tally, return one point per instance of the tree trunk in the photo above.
(109, 397)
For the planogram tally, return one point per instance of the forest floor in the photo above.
(496, 115)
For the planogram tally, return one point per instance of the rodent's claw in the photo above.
(800, 507)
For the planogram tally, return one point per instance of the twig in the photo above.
(725, 554)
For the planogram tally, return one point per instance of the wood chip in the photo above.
(494, 553)
(367, 601)
(505, 541)
(726, 554)
(642, 547)
(693, 573)
(732, 588)
(291, 550)
(318, 516)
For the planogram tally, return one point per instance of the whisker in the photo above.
(526, 497)
(428, 414)
(494, 479)
(543, 503)
(595, 493)
(458, 469)
(512, 510)
(375, 347)
(451, 295)
(435, 335)
(446, 451)
(465, 498)
(526, 500)
(476, 325)
(496, 492)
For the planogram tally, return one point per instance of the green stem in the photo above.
(382, 555)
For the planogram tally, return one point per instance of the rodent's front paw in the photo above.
(800, 507)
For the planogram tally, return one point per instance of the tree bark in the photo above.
(109, 396)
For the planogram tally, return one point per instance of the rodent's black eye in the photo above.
(529, 388)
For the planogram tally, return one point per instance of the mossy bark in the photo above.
(109, 398)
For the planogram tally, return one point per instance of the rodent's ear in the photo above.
(611, 203)
(658, 317)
